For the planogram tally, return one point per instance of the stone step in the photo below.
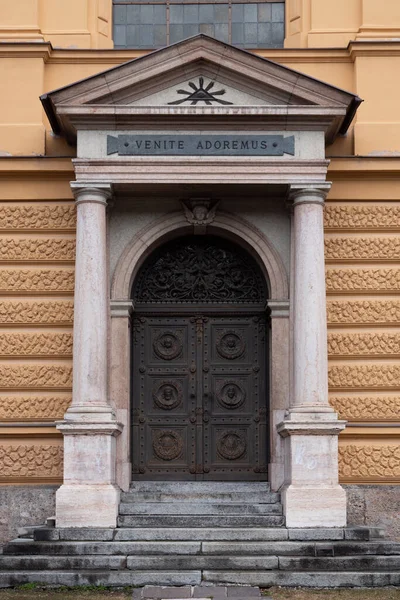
(197, 508)
(191, 521)
(212, 497)
(188, 563)
(51, 563)
(194, 487)
(311, 579)
(201, 534)
(340, 563)
(275, 548)
(265, 578)
(105, 578)
(249, 534)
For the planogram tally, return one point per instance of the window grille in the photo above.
(151, 24)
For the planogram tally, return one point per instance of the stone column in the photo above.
(89, 496)
(311, 495)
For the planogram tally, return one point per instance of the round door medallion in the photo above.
(231, 445)
(230, 344)
(168, 345)
(167, 394)
(230, 394)
(167, 444)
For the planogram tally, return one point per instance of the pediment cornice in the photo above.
(260, 90)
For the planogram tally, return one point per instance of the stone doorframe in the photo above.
(144, 243)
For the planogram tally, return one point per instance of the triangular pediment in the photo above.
(198, 75)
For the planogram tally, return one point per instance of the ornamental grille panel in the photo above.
(199, 397)
(200, 270)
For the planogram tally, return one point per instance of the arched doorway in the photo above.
(200, 377)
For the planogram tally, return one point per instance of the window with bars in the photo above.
(151, 24)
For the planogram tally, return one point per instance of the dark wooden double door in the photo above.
(199, 397)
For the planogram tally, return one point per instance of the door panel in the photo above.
(199, 397)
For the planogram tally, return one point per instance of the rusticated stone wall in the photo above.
(362, 253)
(37, 253)
(37, 245)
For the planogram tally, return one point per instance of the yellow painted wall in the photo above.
(37, 222)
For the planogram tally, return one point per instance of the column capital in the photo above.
(309, 193)
(121, 308)
(91, 192)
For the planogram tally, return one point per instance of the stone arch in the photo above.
(226, 225)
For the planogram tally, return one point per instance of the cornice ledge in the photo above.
(328, 427)
(112, 428)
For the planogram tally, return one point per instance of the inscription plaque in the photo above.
(200, 145)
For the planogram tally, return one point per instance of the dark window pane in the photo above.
(190, 29)
(222, 32)
(238, 34)
(132, 35)
(176, 13)
(207, 29)
(264, 34)
(264, 12)
(237, 13)
(250, 13)
(175, 33)
(146, 36)
(221, 13)
(146, 14)
(120, 15)
(160, 14)
(160, 35)
(191, 13)
(278, 12)
(120, 35)
(206, 13)
(278, 34)
(250, 34)
(133, 16)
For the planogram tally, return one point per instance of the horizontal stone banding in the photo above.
(36, 313)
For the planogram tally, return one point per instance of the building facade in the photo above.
(173, 209)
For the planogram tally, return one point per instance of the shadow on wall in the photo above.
(375, 505)
(24, 505)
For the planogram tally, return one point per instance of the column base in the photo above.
(314, 506)
(312, 496)
(89, 496)
(87, 505)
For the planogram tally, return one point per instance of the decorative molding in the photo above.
(364, 344)
(36, 376)
(369, 463)
(362, 217)
(42, 218)
(374, 280)
(360, 312)
(199, 93)
(199, 212)
(367, 408)
(18, 408)
(36, 280)
(200, 270)
(37, 313)
(367, 376)
(36, 344)
(37, 249)
(31, 461)
(362, 249)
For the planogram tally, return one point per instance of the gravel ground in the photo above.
(276, 594)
